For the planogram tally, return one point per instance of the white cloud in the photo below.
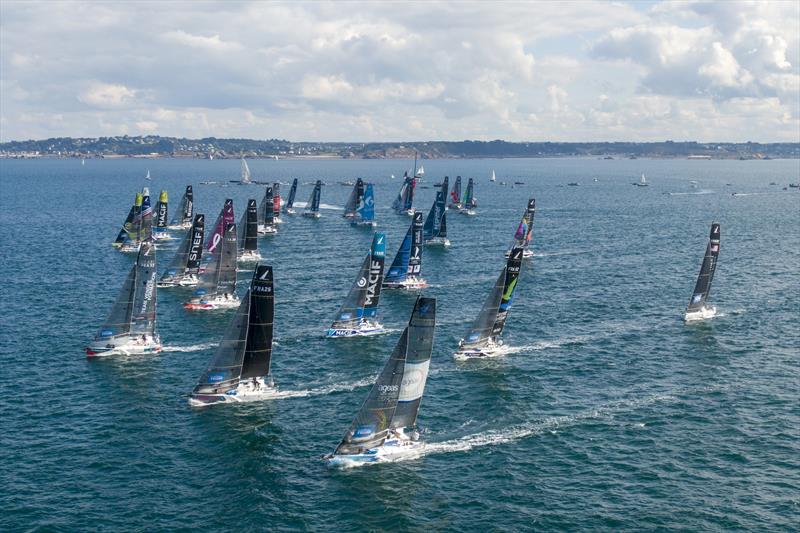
(107, 95)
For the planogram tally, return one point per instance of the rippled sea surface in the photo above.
(609, 413)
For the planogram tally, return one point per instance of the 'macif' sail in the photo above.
(161, 212)
(395, 398)
(488, 326)
(354, 199)
(246, 348)
(187, 258)
(362, 300)
(707, 269)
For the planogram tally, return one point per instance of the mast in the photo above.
(245, 172)
(226, 267)
(433, 223)
(292, 193)
(225, 217)
(366, 207)
(247, 337)
(362, 300)
(126, 227)
(313, 202)
(196, 248)
(161, 210)
(523, 235)
(455, 194)
(401, 265)
(276, 199)
(445, 187)
(258, 347)
(469, 196)
(266, 212)
(415, 255)
(703, 285)
(354, 199)
(248, 228)
(147, 217)
(191, 247)
(143, 308)
(371, 425)
(491, 319)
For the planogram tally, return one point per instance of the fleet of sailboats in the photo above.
(698, 308)
(385, 426)
(358, 315)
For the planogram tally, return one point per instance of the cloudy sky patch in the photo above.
(565, 71)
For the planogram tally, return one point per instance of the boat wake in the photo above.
(690, 193)
(565, 252)
(190, 348)
(523, 431)
(320, 391)
(321, 206)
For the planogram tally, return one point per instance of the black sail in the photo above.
(513, 268)
(196, 246)
(371, 425)
(707, 269)
(355, 197)
(122, 236)
(418, 358)
(258, 348)
(292, 193)
(415, 257)
(248, 228)
(266, 211)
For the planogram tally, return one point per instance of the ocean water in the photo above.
(609, 413)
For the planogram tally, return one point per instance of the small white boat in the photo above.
(642, 182)
(493, 178)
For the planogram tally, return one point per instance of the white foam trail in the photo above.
(702, 191)
(190, 348)
(515, 433)
(328, 389)
(321, 206)
(565, 252)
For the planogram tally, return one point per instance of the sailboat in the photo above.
(358, 315)
(276, 203)
(483, 338)
(642, 182)
(245, 179)
(183, 216)
(697, 308)
(127, 228)
(217, 285)
(130, 328)
(288, 207)
(385, 426)
(455, 194)
(148, 178)
(160, 232)
(435, 229)
(185, 266)
(524, 232)
(225, 218)
(420, 172)
(365, 212)
(239, 370)
(266, 214)
(445, 188)
(248, 234)
(406, 269)
(312, 209)
(493, 178)
(146, 231)
(404, 203)
(469, 204)
(354, 200)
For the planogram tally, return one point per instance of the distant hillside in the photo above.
(156, 146)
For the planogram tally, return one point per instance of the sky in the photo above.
(402, 71)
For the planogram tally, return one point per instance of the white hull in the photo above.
(703, 314)
(470, 212)
(128, 345)
(249, 256)
(437, 241)
(490, 349)
(187, 225)
(398, 446)
(185, 281)
(162, 236)
(198, 304)
(365, 329)
(527, 253)
(267, 230)
(363, 223)
(410, 283)
(245, 392)
(289, 211)
(129, 248)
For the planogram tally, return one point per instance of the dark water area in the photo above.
(609, 413)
